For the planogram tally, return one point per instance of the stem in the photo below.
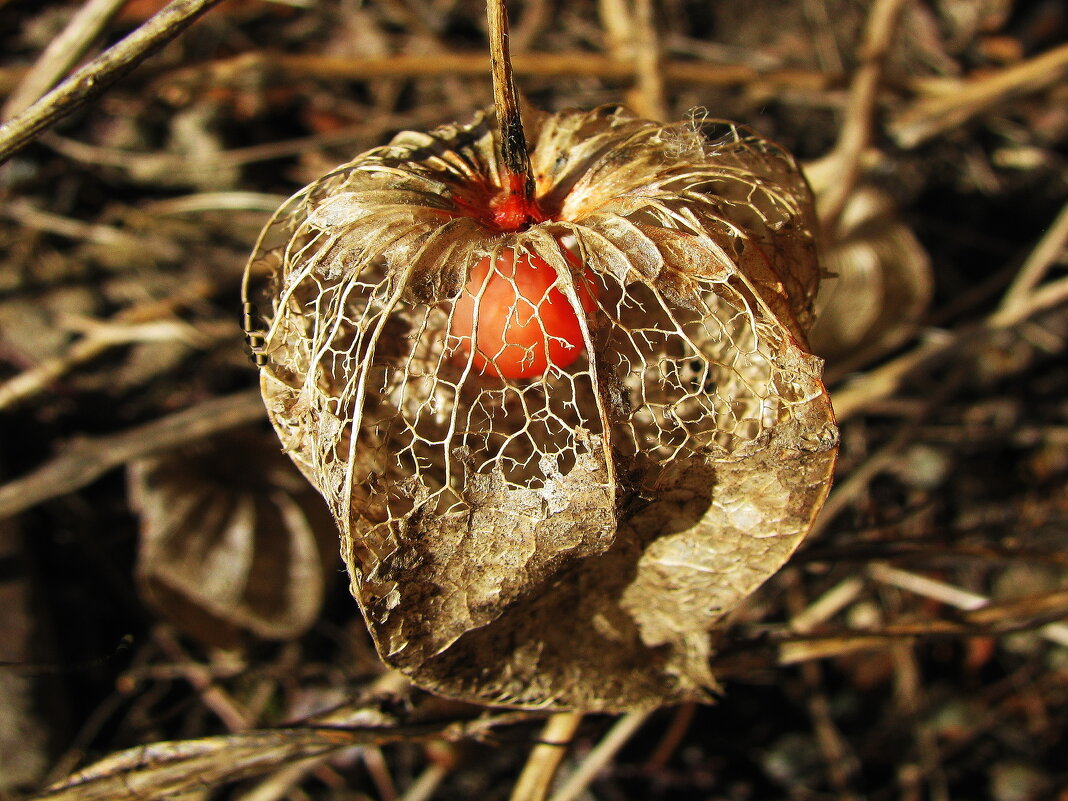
(96, 76)
(518, 178)
(856, 132)
(600, 756)
(538, 774)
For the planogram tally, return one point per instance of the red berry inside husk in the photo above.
(521, 322)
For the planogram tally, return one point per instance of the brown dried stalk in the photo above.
(95, 77)
(86, 459)
(513, 142)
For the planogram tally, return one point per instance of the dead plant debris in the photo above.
(916, 646)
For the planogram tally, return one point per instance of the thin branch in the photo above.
(151, 166)
(964, 599)
(650, 88)
(930, 117)
(61, 54)
(862, 392)
(94, 78)
(856, 131)
(630, 30)
(284, 781)
(884, 381)
(427, 782)
(374, 762)
(1050, 248)
(601, 755)
(566, 64)
(227, 708)
(840, 761)
(85, 460)
(673, 737)
(544, 760)
(1045, 297)
(95, 233)
(100, 339)
(152, 321)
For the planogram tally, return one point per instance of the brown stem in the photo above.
(514, 155)
(96, 76)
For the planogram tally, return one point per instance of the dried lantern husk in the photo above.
(882, 285)
(233, 540)
(566, 541)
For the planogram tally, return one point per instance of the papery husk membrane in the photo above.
(232, 541)
(566, 541)
(882, 287)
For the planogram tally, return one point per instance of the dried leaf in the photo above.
(232, 540)
(168, 769)
(882, 284)
(566, 539)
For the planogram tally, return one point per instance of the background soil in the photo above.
(927, 661)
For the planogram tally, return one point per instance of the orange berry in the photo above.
(523, 321)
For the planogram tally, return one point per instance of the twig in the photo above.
(95, 77)
(85, 460)
(632, 38)
(672, 738)
(544, 760)
(98, 341)
(200, 202)
(601, 755)
(840, 763)
(378, 769)
(214, 697)
(650, 88)
(1049, 249)
(145, 166)
(863, 391)
(95, 233)
(61, 54)
(614, 16)
(953, 596)
(883, 382)
(930, 117)
(146, 322)
(540, 64)
(855, 133)
(847, 492)
(805, 621)
(281, 783)
(827, 605)
(1046, 297)
(427, 782)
